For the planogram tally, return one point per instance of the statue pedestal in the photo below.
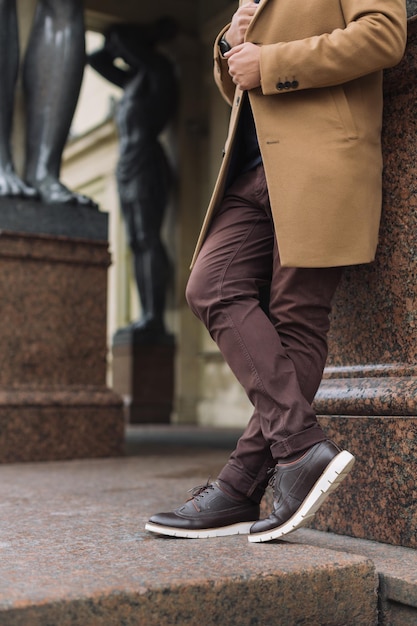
(53, 283)
(368, 398)
(143, 374)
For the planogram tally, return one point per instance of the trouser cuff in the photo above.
(243, 483)
(299, 442)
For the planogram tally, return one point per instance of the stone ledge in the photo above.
(73, 550)
(314, 589)
(19, 215)
(396, 567)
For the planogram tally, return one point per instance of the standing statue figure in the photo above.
(144, 174)
(52, 74)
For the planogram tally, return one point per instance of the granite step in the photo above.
(396, 568)
(222, 583)
(74, 552)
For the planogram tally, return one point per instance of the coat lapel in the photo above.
(262, 3)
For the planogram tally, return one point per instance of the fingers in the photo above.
(240, 22)
(233, 51)
(244, 65)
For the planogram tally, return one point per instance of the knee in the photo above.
(141, 242)
(193, 293)
(198, 293)
(63, 9)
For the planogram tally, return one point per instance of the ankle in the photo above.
(292, 458)
(230, 491)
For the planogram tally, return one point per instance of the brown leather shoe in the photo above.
(208, 513)
(300, 488)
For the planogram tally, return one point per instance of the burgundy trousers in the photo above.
(278, 355)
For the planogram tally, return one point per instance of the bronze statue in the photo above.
(52, 74)
(143, 172)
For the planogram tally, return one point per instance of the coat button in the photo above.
(294, 84)
(287, 84)
(280, 86)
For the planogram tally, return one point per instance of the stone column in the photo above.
(368, 399)
(54, 403)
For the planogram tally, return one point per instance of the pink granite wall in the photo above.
(53, 328)
(54, 402)
(368, 400)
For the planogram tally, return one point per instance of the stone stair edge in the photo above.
(318, 584)
(396, 566)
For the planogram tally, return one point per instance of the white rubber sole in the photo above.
(331, 478)
(242, 528)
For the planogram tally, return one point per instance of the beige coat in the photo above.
(318, 115)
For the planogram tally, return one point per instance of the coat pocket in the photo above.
(344, 111)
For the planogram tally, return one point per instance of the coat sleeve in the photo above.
(374, 38)
(221, 71)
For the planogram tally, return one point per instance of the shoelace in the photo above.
(200, 489)
(271, 474)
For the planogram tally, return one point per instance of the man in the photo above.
(296, 200)
(53, 71)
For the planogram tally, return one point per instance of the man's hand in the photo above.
(240, 22)
(244, 65)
